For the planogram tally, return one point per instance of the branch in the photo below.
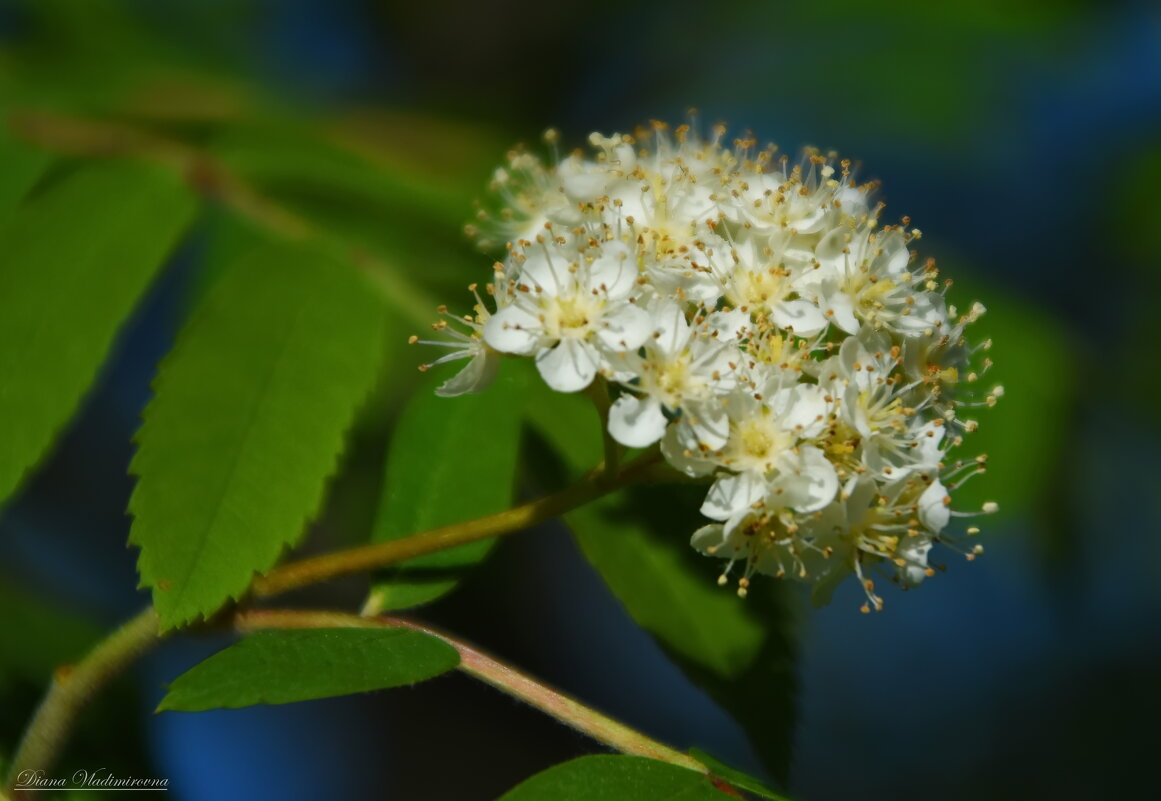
(73, 687)
(369, 557)
(491, 671)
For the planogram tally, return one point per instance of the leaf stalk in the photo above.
(491, 671)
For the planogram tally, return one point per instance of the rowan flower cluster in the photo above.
(754, 317)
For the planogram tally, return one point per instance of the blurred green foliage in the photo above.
(1023, 435)
(38, 635)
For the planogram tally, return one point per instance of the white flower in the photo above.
(684, 369)
(570, 310)
(804, 199)
(864, 276)
(483, 361)
(764, 279)
(765, 454)
(885, 435)
(755, 318)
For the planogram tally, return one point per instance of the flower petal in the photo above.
(801, 316)
(711, 541)
(809, 486)
(671, 329)
(708, 422)
(614, 274)
(550, 277)
(514, 330)
(682, 457)
(636, 422)
(934, 512)
(728, 326)
(840, 310)
(733, 493)
(475, 377)
(569, 367)
(802, 409)
(624, 327)
(582, 187)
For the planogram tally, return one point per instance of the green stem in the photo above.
(491, 671)
(369, 557)
(73, 687)
(598, 392)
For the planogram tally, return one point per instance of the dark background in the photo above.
(1024, 138)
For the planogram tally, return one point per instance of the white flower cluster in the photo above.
(754, 318)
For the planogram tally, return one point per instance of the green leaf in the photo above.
(638, 541)
(735, 777)
(21, 166)
(281, 667)
(247, 424)
(740, 651)
(451, 460)
(77, 258)
(616, 778)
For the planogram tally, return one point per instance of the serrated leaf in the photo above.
(450, 460)
(736, 778)
(76, 260)
(281, 667)
(740, 651)
(616, 778)
(247, 424)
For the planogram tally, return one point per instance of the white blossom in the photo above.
(754, 320)
(570, 310)
(483, 360)
(682, 368)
